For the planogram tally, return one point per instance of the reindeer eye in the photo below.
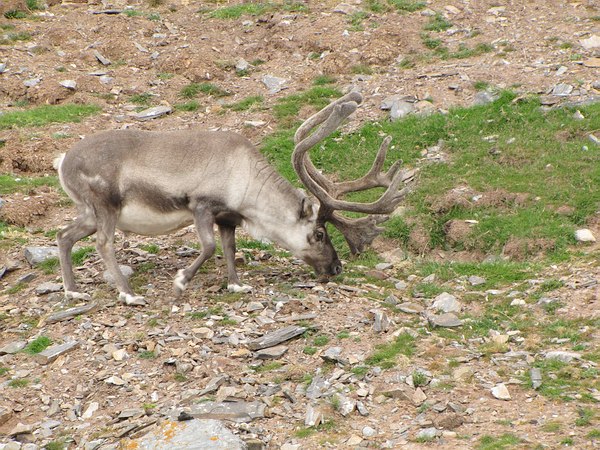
(319, 235)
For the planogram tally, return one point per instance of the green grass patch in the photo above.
(407, 5)
(567, 382)
(3, 371)
(16, 14)
(320, 340)
(9, 184)
(81, 254)
(10, 38)
(385, 354)
(146, 354)
(192, 90)
(46, 114)
(323, 80)
(150, 248)
(502, 442)
(255, 9)
(246, 103)
(286, 109)
(18, 383)
(586, 415)
(438, 23)
(56, 445)
(188, 106)
(49, 266)
(268, 367)
(38, 345)
(143, 99)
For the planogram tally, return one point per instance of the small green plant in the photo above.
(141, 99)
(438, 23)
(188, 106)
(321, 340)
(3, 371)
(150, 248)
(38, 345)
(419, 378)
(15, 14)
(322, 80)
(179, 377)
(149, 407)
(34, 5)
(146, 354)
(154, 17)
(308, 350)
(269, 367)
(193, 89)
(343, 335)
(80, 255)
(132, 13)
(361, 69)
(55, 445)
(49, 265)
(585, 417)
(15, 37)
(18, 383)
(407, 5)
(245, 104)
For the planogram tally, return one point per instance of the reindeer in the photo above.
(153, 183)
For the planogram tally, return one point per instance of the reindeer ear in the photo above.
(308, 209)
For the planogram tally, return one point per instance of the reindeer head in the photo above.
(359, 233)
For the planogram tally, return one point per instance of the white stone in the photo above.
(584, 235)
(500, 392)
(447, 303)
(91, 409)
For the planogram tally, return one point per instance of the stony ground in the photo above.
(123, 369)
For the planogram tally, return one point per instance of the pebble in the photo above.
(446, 303)
(584, 235)
(500, 391)
(368, 432)
(69, 84)
(274, 84)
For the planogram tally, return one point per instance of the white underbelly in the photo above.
(140, 219)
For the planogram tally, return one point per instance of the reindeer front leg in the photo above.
(228, 242)
(204, 220)
(105, 244)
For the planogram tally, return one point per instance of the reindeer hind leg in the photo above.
(83, 226)
(228, 242)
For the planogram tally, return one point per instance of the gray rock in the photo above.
(401, 285)
(48, 288)
(5, 414)
(37, 255)
(411, 308)
(536, 377)
(127, 271)
(565, 357)
(272, 352)
(334, 354)
(368, 432)
(276, 337)
(384, 266)
(11, 445)
(69, 84)
(401, 109)
(485, 97)
(26, 278)
(313, 416)
(105, 79)
(153, 113)
(476, 281)
(104, 61)
(428, 433)
(592, 42)
(234, 411)
(346, 9)
(274, 84)
(51, 353)
(562, 90)
(346, 405)
(381, 322)
(594, 139)
(242, 65)
(12, 347)
(2, 68)
(188, 435)
(32, 82)
(446, 303)
(447, 320)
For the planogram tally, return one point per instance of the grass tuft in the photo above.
(46, 114)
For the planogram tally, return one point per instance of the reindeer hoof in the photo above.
(132, 300)
(180, 283)
(237, 288)
(74, 295)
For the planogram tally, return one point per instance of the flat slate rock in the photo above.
(276, 337)
(233, 411)
(153, 113)
(51, 353)
(12, 347)
(447, 320)
(70, 313)
(188, 435)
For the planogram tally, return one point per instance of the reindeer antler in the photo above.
(358, 232)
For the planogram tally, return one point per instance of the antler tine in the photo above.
(359, 233)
